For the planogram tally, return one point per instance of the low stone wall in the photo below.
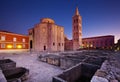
(50, 59)
(10, 73)
(62, 62)
(95, 60)
(53, 61)
(107, 73)
(66, 63)
(16, 74)
(69, 59)
(2, 77)
(80, 72)
(7, 64)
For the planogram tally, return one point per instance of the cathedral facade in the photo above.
(46, 36)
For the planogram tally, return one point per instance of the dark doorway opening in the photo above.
(44, 47)
(30, 44)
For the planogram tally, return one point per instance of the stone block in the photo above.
(113, 80)
(7, 64)
(98, 79)
(2, 77)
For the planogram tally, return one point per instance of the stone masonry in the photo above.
(47, 36)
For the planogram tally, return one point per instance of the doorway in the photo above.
(44, 48)
(31, 44)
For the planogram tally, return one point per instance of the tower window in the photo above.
(30, 33)
(53, 43)
(59, 44)
(76, 26)
(77, 20)
(74, 21)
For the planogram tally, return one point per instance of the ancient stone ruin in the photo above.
(7, 64)
(10, 73)
(79, 66)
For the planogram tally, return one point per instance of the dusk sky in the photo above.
(99, 17)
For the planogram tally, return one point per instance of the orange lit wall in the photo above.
(10, 44)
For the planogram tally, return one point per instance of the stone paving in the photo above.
(39, 71)
(43, 72)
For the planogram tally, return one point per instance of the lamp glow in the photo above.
(9, 46)
(19, 46)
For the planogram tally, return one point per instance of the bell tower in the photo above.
(77, 30)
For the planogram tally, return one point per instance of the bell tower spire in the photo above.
(77, 30)
(77, 11)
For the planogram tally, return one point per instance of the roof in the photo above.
(5, 31)
(47, 20)
(11, 32)
(99, 37)
(77, 11)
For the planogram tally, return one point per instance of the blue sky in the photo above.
(99, 17)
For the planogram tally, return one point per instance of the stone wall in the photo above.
(66, 63)
(109, 72)
(80, 72)
(2, 77)
(47, 36)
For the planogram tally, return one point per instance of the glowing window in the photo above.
(23, 40)
(3, 38)
(9, 46)
(14, 39)
(19, 46)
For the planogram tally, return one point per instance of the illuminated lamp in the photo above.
(9, 46)
(19, 46)
(118, 48)
(91, 45)
(87, 45)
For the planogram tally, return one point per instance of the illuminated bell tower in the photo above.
(77, 30)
